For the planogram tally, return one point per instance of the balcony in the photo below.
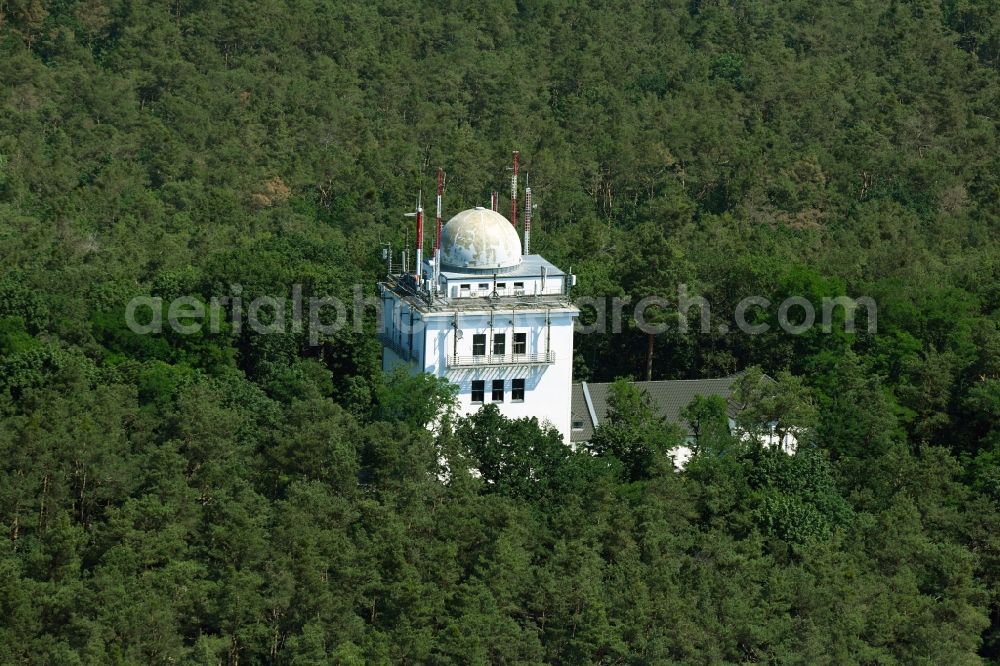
(496, 360)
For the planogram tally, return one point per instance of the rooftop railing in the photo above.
(405, 286)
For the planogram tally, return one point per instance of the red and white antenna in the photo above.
(527, 216)
(513, 191)
(437, 229)
(420, 242)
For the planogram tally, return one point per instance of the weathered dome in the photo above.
(479, 239)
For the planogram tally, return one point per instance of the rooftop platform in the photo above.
(452, 298)
(403, 287)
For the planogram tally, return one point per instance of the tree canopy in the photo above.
(235, 497)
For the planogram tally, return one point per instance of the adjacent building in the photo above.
(667, 400)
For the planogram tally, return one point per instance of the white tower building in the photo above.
(496, 323)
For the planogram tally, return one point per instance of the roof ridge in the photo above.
(659, 381)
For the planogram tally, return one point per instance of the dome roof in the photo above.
(480, 238)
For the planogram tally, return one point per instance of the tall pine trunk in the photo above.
(649, 357)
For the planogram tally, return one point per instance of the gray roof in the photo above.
(668, 399)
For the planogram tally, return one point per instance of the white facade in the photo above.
(500, 326)
(787, 444)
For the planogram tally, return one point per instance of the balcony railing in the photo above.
(485, 360)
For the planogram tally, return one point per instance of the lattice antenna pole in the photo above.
(420, 238)
(513, 190)
(419, 214)
(527, 216)
(437, 230)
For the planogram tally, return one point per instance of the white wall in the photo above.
(548, 387)
(481, 286)
(553, 284)
(788, 444)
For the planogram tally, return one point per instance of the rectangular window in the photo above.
(499, 344)
(484, 286)
(518, 285)
(497, 390)
(479, 344)
(520, 343)
(478, 390)
(517, 390)
(501, 286)
(577, 424)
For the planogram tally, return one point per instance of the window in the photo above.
(478, 389)
(464, 290)
(501, 286)
(497, 390)
(479, 344)
(499, 344)
(577, 424)
(518, 285)
(520, 343)
(484, 286)
(517, 390)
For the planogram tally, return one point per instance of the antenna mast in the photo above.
(437, 230)
(527, 216)
(513, 191)
(419, 213)
(387, 255)
(420, 239)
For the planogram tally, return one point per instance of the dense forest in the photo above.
(236, 498)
